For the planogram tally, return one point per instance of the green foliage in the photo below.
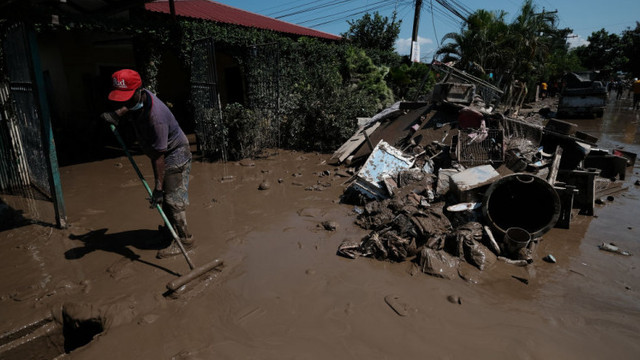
(560, 62)
(479, 45)
(318, 100)
(631, 50)
(610, 53)
(321, 99)
(244, 131)
(374, 32)
(406, 79)
(367, 79)
(604, 52)
(523, 49)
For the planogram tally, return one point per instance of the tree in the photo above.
(478, 45)
(530, 38)
(373, 32)
(519, 50)
(631, 50)
(604, 52)
(560, 60)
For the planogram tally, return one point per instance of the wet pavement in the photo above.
(284, 293)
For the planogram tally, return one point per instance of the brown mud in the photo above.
(283, 292)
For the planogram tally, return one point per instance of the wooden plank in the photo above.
(393, 131)
(352, 144)
(555, 165)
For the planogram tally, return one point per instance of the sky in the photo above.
(583, 16)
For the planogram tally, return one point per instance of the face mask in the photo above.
(135, 107)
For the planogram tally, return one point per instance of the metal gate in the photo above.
(28, 162)
(205, 99)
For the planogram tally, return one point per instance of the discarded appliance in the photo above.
(384, 161)
(473, 178)
(455, 93)
(521, 200)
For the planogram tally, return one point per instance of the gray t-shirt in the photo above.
(157, 129)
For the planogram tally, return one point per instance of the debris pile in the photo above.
(451, 181)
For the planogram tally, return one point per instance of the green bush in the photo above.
(406, 80)
(243, 131)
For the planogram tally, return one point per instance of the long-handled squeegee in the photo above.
(176, 284)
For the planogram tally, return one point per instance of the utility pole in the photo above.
(415, 47)
(544, 12)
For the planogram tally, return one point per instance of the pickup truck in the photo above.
(581, 97)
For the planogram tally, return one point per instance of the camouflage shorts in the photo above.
(176, 185)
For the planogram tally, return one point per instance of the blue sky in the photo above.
(584, 16)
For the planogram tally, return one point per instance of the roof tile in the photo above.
(215, 11)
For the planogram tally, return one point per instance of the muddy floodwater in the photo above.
(283, 293)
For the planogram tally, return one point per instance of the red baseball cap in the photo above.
(125, 83)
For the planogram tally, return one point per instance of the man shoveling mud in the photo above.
(164, 142)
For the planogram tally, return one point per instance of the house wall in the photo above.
(173, 89)
(78, 68)
(79, 65)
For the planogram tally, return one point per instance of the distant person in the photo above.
(164, 142)
(544, 86)
(619, 89)
(635, 87)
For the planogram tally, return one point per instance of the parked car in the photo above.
(581, 96)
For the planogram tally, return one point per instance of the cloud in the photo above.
(403, 46)
(576, 40)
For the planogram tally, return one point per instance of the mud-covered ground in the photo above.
(283, 293)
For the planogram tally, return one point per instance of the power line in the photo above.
(389, 4)
(367, 8)
(445, 16)
(462, 7)
(452, 8)
(313, 8)
(267, 9)
(406, 10)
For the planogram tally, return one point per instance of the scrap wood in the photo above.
(393, 131)
(353, 143)
(553, 174)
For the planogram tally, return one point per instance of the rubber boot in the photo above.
(179, 222)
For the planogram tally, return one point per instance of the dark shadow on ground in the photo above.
(11, 218)
(119, 243)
